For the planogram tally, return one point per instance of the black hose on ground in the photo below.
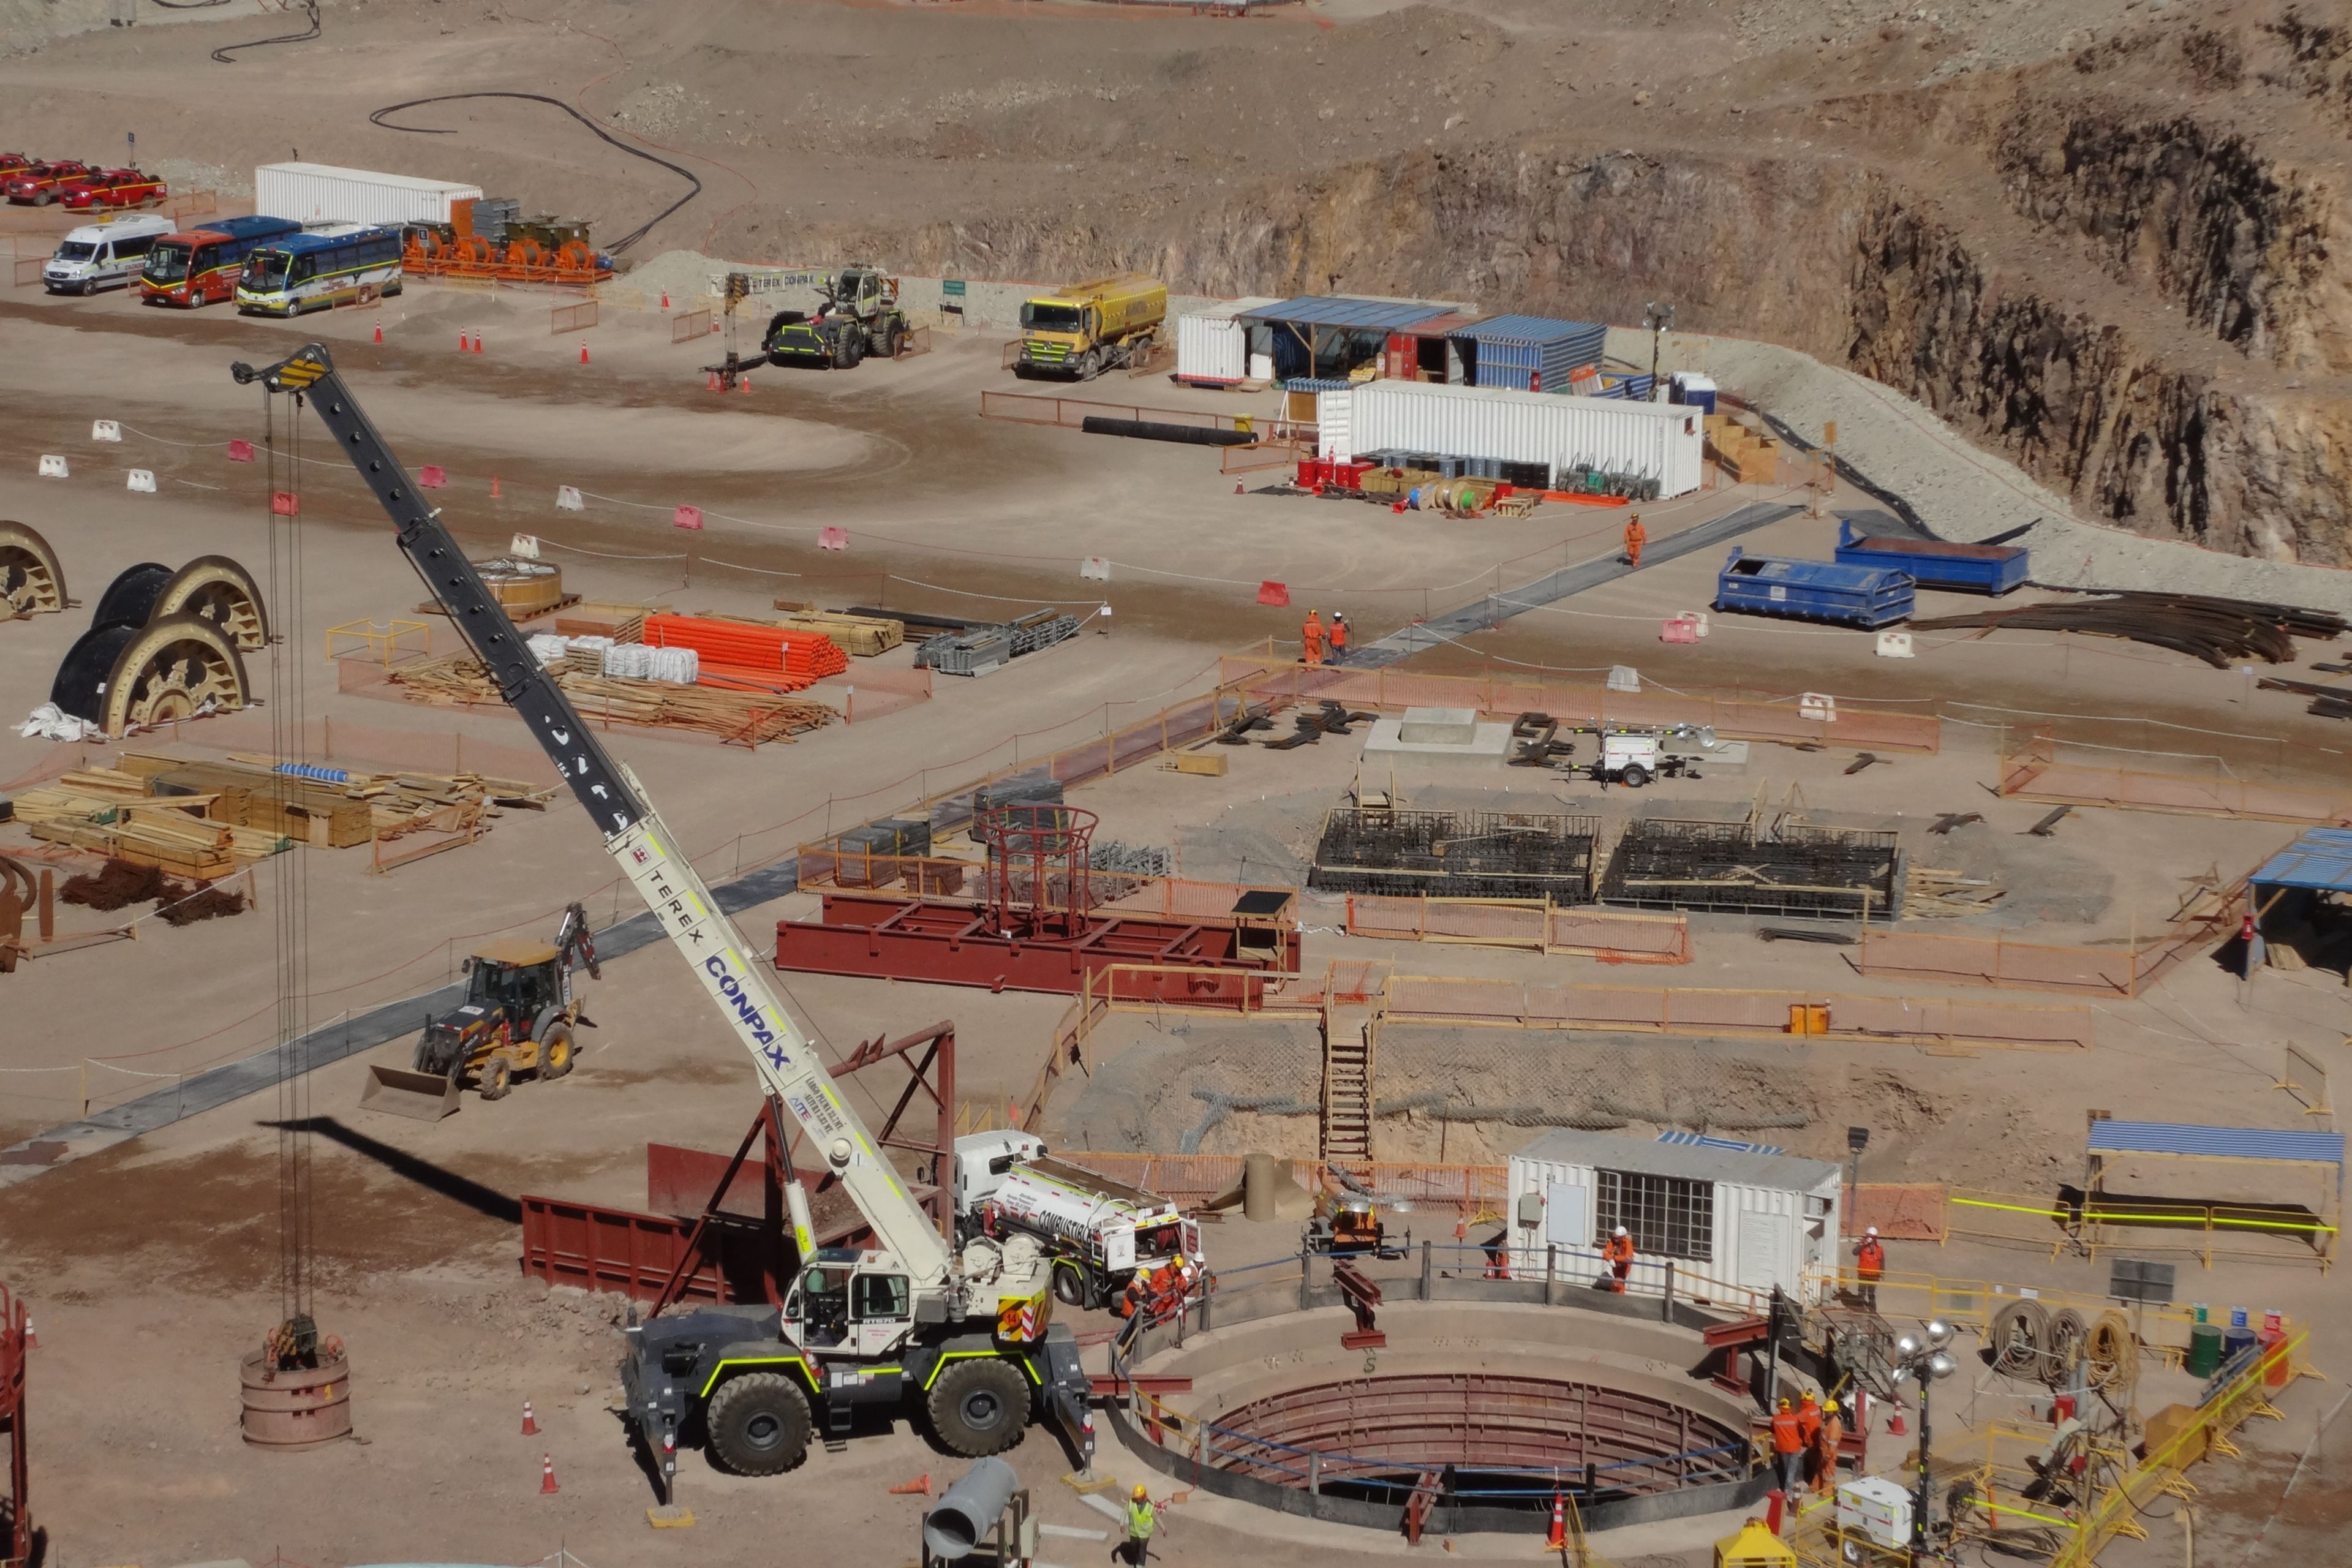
(616, 246)
(1157, 430)
(223, 53)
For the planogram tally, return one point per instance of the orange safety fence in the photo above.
(1692, 1010)
(1576, 703)
(1532, 924)
(562, 319)
(2036, 771)
(27, 270)
(688, 326)
(2039, 966)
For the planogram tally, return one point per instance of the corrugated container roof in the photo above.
(1676, 411)
(1338, 311)
(372, 176)
(2320, 858)
(2112, 1136)
(1529, 329)
(1690, 1163)
(1452, 324)
(1226, 310)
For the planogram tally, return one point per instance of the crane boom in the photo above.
(788, 1064)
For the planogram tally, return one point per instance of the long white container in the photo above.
(322, 193)
(1655, 440)
(1774, 1216)
(1212, 347)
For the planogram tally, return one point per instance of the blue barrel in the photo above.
(2235, 1343)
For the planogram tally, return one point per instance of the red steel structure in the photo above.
(17, 1526)
(1037, 927)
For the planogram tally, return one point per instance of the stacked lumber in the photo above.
(752, 716)
(1933, 892)
(862, 637)
(109, 813)
(740, 655)
(355, 807)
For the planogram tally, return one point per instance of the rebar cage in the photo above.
(1457, 854)
(1821, 873)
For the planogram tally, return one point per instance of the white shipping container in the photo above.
(1771, 1216)
(322, 193)
(1655, 440)
(1212, 347)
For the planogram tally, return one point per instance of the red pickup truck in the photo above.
(39, 184)
(113, 190)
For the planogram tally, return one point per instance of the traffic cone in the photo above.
(379, 330)
(478, 339)
(665, 299)
(1237, 487)
(1895, 1423)
(584, 351)
(1557, 1539)
(494, 487)
(743, 381)
(547, 1486)
(714, 381)
(461, 340)
(919, 1486)
(529, 1421)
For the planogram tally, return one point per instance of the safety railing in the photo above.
(2220, 1230)
(689, 326)
(1043, 409)
(575, 318)
(1534, 925)
(386, 643)
(1708, 1011)
(26, 270)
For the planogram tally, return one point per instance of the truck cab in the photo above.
(983, 1159)
(850, 1303)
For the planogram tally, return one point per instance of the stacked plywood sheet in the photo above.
(752, 718)
(862, 635)
(1744, 456)
(111, 813)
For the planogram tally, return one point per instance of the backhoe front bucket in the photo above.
(420, 1096)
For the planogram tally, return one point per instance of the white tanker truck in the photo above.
(1098, 1233)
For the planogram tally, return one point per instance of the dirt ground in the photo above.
(153, 1265)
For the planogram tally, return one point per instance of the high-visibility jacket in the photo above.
(1619, 1250)
(1831, 1434)
(1870, 1258)
(1809, 1421)
(1141, 1520)
(1786, 1437)
(1338, 634)
(1311, 633)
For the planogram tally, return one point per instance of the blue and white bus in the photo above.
(315, 271)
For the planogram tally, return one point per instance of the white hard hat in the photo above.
(1870, 1230)
(1619, 1231)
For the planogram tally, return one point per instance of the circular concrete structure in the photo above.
(1487, 1408)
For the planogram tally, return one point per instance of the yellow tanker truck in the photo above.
(1088, 328)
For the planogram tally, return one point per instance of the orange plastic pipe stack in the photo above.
(738, 656)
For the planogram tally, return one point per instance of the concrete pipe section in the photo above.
(1487, 1408)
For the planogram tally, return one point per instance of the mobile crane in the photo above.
(906, 1321)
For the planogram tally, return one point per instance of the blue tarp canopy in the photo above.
(2321, 858)
(2112, 1136)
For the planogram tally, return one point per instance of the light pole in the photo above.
(1926, 1361)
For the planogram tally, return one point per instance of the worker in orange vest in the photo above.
(1311, 636)
(1131, 1299)
(1338, 637)
(1808, 1428)
(1635, 537)
(1825, 1449)
(1869, 1263)
(1619, 1256)
(1788, 1447)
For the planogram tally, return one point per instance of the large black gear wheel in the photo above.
(130, 599)
(758, 1425)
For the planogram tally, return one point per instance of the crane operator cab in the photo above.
(854, 1302)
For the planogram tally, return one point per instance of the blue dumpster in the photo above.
(1866, 596)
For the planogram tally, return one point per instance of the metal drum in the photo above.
(301, 1407)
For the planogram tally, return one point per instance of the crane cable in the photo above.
(618, 246)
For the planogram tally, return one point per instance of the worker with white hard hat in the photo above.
(1869, 1263)
(1619, 1256)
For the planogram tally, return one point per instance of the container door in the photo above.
(1568, 1213)
(1763, 1244)
(1333, 416)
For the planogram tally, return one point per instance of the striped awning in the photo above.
(1730, 1145)
(2111, 1137)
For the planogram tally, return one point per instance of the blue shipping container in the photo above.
(1992, 569)
(1866, 596)
(1530, 353)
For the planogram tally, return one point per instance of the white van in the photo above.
(104, 255)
